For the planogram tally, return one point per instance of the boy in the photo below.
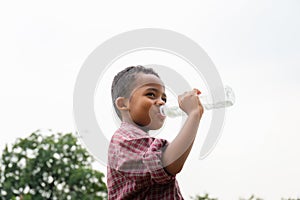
(140, 166)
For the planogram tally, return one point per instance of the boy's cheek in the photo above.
(141, 116)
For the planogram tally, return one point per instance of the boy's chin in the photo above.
(153, 126)
(156, 126)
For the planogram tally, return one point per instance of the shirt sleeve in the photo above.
(141, 159)
(152, 159)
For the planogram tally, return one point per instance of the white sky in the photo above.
(255, 45)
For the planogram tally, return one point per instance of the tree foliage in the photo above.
(252, 197)
(49, 167)
(204, 197)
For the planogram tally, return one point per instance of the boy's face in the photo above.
(145, 100)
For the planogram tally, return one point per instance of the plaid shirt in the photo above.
(135, 169)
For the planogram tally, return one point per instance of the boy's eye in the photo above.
(151, 94)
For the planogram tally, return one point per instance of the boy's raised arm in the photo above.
(178, 150)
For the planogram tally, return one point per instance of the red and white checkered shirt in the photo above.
(135, 168)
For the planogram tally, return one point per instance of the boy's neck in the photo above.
(145, 129)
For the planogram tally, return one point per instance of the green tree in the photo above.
(204, 197)
(290, 199)
(55, 166)
(252, 197)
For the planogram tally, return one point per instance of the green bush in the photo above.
(49, 167)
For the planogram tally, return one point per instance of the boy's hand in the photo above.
(189, 102)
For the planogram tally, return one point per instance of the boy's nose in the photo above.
(160, 102)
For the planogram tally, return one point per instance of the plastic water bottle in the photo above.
(175, 111)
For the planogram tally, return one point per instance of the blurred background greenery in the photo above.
(49, 167)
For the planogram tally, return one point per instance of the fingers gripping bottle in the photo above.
(175, 111)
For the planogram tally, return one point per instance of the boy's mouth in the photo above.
(160, 116)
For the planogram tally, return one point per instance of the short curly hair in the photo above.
(123, 83)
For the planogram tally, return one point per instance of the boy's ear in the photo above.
(122, 103)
